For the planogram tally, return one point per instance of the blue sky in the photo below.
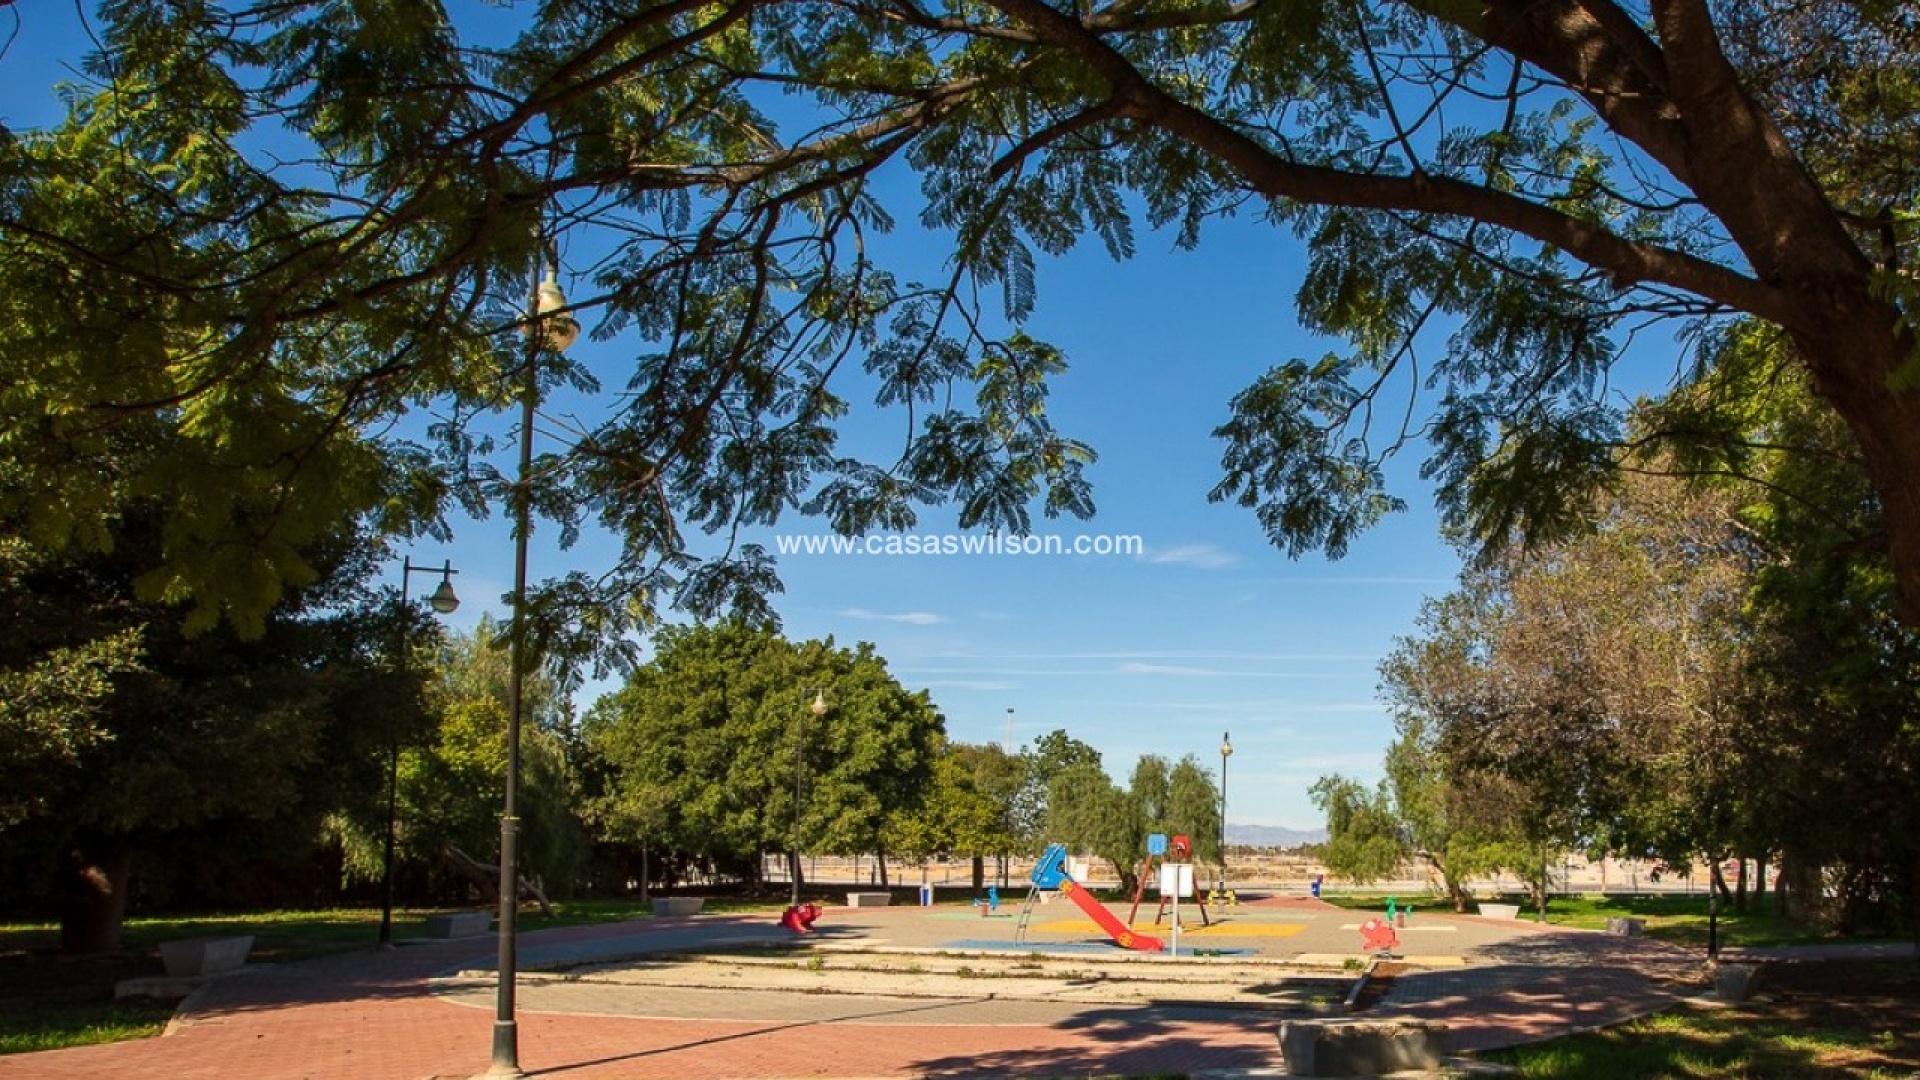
(1210, 631)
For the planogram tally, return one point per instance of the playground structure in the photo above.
(800, 918)
(1051, 873)
(1379, 935)
(1159, 853)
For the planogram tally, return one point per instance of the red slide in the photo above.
(1115, 930)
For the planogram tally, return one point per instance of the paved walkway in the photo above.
(409, 1014)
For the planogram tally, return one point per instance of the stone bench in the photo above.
(678, 905)
(1360, 1047)
(205, 956)
(869, 899)
(1626, 927)
(459, 924)
(1735, 982)
(1499, 911)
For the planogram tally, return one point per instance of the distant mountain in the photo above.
(1273, 836)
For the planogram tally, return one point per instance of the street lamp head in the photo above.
(558, 329)
(1226, 744)
(819, 706)
(444, 600)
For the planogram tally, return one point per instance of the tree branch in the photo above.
(1626, 261)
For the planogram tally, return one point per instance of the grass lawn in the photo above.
(1680, 918)
(48, 1001)
(57, 1026)
(1810, 1020)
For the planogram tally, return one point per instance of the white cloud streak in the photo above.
(1204, 556)
(913, 618)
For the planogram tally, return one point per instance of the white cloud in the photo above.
(915, 618)
(1161, 669)
(1204, 556)
(1158, 654)
(1331, 579)
(971, 684)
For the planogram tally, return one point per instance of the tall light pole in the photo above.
(1009, 732)
(1226, 751)
(445, 602)
(549, 328)
(818, 709)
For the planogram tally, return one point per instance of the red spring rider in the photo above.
(800, 919)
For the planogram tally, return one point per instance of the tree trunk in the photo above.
(1717, 881)
(1740, 887)
(1798, 887)
(94, 897)
(793, 870)
(1854, 358)
(645, 871)
(880, 857)
(1456, 893)
(979, 874)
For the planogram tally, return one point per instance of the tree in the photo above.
(1088, 812)
(1439, 821)
(1830, 746)
(453, 781)
(998, 777)
(1532, 179)
(1364, 842)
(960, 813)
(1193, 808)
(713, 737)
(154, 752)
(1148, 789)
(51, 703)
(1050, 756)
(1427, 679)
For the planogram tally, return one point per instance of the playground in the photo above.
(1059, 983)
(945, 991)
(1056, 983)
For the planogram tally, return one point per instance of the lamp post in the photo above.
(1226, 751)
(818, 709)
(549, 328)
(445, 602)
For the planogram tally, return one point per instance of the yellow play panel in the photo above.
(1219, 929)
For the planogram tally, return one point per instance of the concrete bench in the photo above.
(868, 899)
(459, 924)
(1626, 927)
(1499, 911)
(678, 905)
(205, 956)
(1360, 1047)
(1735, 982)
